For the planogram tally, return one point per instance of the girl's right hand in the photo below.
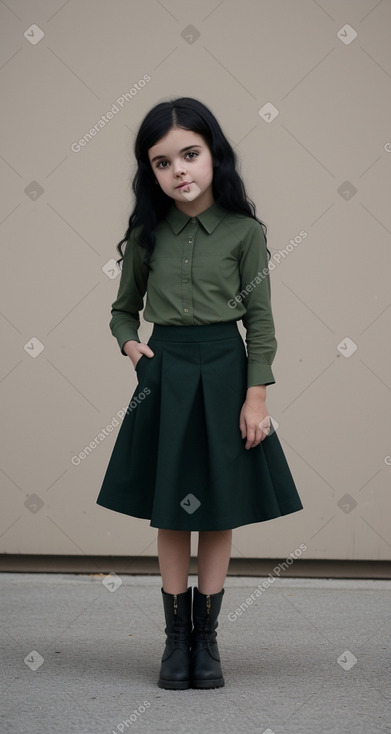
(135, 350)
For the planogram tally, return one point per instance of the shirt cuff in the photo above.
(125, 335)
(259, 374)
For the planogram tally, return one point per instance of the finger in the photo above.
(250, 437)
(242, 426)
(259, 435)
(264, 426)
(147, 351)
(255, 443)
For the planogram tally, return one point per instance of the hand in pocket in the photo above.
(136, 350)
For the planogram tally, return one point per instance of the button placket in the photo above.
(186, 279)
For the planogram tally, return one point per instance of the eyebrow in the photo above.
(189, 147)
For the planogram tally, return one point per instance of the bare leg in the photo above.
(174, 559)
(214, 551)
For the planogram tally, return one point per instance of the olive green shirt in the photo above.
(204, 269)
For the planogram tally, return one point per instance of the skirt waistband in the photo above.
(196, 333)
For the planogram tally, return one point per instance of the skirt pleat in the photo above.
(179, 458)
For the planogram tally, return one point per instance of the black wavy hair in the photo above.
(152, 203)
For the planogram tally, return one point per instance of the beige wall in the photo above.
(321, 166)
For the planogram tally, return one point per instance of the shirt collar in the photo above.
(209, 218)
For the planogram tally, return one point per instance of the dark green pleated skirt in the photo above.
(179, 458)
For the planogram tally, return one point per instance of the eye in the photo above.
(159, 164)
(192, 153)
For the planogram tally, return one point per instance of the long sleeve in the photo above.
(258, 319)
(125, 319)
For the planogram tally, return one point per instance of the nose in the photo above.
(179, 168)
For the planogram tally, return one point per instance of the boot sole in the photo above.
(176, 685)
(216, 683)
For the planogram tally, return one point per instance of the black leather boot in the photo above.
(205, 659)
(175, 667)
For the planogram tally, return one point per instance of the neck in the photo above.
(192, 208)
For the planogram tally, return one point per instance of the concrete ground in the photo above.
(81, 653)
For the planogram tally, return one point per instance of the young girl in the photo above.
(196, 450)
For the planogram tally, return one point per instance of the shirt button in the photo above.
(186, 261)
(185, 280)
(193, 220)
(186, 310)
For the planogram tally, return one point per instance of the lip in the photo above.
(184, 183)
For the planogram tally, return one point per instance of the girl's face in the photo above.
(183, 166)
